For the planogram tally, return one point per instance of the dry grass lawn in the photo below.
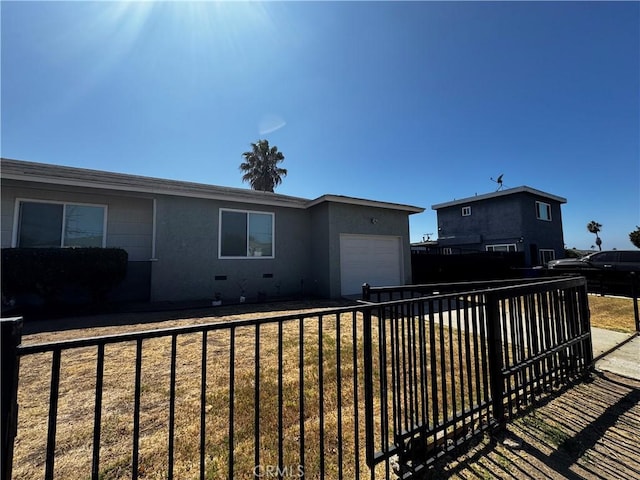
(77, 399)
(613, 313)
(329, 389)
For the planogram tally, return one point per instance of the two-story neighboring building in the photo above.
(520, 219)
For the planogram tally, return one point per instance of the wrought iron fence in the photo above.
(356, 392)
(450, 366)
(258, 398)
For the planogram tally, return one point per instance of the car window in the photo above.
(603, 257)
(630, 257)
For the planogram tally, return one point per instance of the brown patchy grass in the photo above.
(613, 313)
(77, 394)
(77, 398)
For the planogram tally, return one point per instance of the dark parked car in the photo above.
(611, 260)
(606, 272)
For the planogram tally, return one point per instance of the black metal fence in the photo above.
(450, 366)
(625, 284)
(258, 398)
(327, 394)
(611, 283)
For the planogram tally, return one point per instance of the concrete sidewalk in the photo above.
(588, 432)
(616, 352)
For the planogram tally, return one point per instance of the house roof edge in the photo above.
(82, 177)
(364, 202)
(500, 193)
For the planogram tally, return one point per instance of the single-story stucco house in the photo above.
(188, 241)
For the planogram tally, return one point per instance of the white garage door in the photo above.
(375, 260)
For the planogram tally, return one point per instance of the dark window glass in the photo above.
(233, 236)
(604, 257)
(543, 211)
(630, 257)
(40, 225)
(546, 256)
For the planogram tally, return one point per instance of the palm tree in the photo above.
(594, 227)
(261, 166)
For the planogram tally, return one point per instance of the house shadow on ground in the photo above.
(54, 320)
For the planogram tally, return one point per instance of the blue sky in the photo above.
(409, 102)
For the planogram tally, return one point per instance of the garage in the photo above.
(376, 260)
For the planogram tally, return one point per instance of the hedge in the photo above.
(49, 271)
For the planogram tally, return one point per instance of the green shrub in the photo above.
(573, 253)
(48, 272)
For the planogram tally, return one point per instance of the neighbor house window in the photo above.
(509, 247)
(466, 211)
(46, 224)
(246, 234)
(543, 211)
(447, 251)
(546, 255)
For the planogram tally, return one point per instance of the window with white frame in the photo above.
(246, 234)
(543, 211)
(507, 247)
(447, 251)
(466, 211)
(546, 255)
(51, 224)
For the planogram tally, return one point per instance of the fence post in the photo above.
(602, 285)
(366, 292)
(495, 359)
(634, 294)
(11, 336)
(368, 385)
(584, 323)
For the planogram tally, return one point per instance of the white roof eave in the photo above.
(510, 191)
(365, 203)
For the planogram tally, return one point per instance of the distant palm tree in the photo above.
(594, 227)
(261, 166)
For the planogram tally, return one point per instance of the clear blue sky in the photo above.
(416, 103)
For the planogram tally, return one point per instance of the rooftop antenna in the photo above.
(499, 182)
(426, 237)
